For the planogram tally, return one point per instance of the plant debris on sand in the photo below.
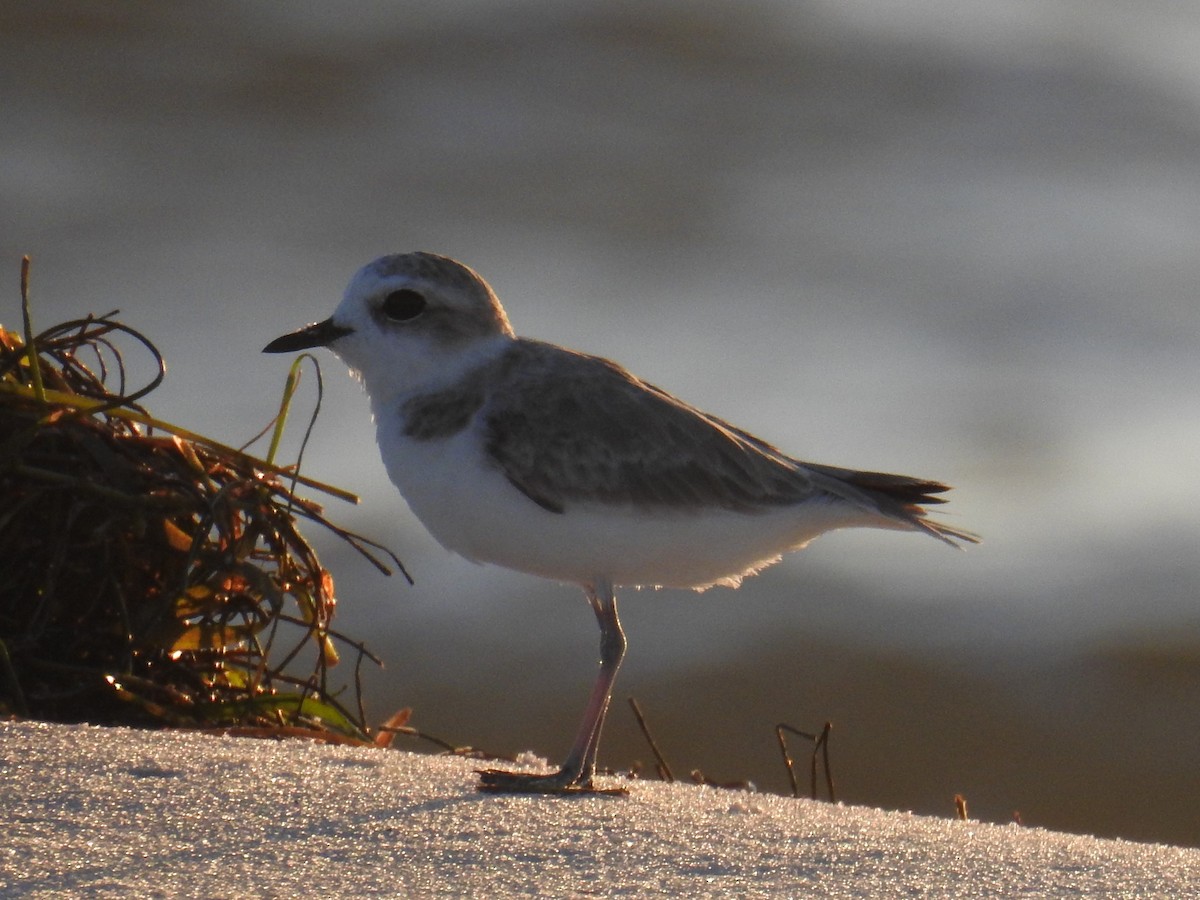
(149, 575)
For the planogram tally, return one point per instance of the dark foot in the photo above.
(497, 781)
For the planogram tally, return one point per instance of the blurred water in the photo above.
(952, 240)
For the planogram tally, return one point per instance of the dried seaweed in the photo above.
(149, 575)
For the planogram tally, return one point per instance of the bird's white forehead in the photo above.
(461, 303)
(434, 272)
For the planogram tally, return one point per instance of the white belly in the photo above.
(472, 509)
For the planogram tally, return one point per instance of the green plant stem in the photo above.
(285, 404)
(35, 368)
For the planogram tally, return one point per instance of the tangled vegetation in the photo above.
(149, 575)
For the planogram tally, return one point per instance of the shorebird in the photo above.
(541, 459)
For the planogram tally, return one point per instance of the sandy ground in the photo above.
(122, 813)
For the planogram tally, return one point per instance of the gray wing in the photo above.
(564, 427)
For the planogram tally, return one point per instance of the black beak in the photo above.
(320, 334)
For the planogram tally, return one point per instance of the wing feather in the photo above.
(592, 431)
(567, 428)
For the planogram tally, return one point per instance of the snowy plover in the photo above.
(540, 459)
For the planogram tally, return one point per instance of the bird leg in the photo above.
(575, 776)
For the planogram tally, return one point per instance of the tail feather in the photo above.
(902, 498)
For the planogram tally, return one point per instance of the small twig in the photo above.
(825, 761)
(358, 682)
(360, 544)
(293, 381)
(820, 745)
(285, 404)
(91, 405)
(960, 807)
(35, 369)
(386, 731)
(664, 771)
(91, 487)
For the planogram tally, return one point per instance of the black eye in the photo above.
(404, 304)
